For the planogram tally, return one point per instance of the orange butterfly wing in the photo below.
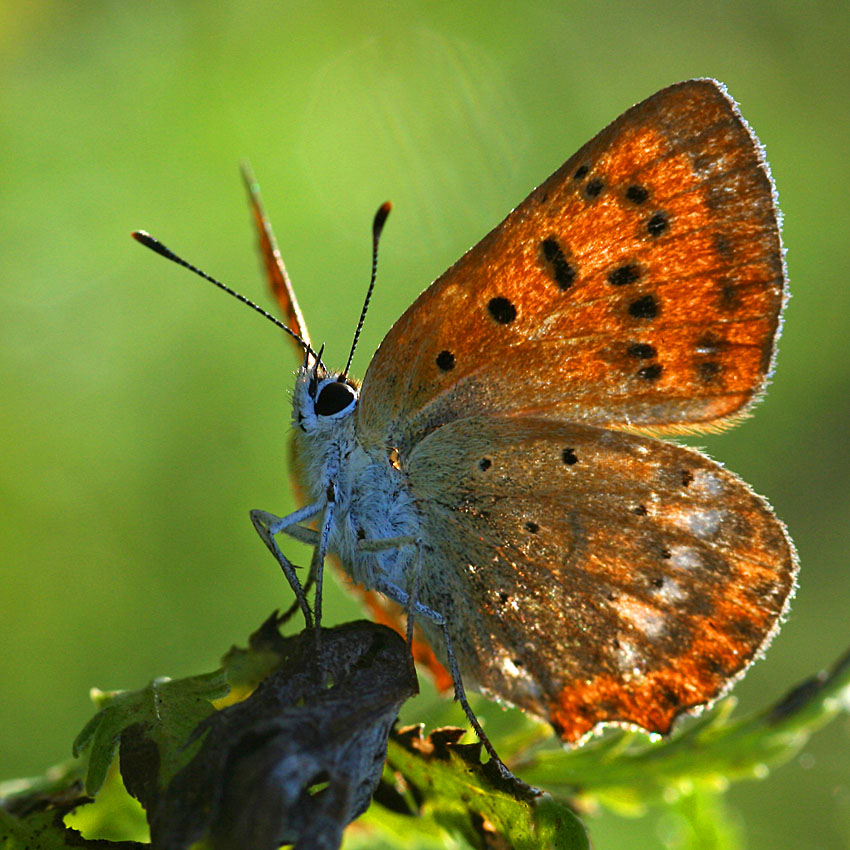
(594, 576)
(640, 286)
(278, 279)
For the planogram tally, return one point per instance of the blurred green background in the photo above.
(144, 414)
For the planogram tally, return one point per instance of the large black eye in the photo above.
(333, 397)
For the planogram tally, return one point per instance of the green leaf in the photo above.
(165, 713)
(246, 668)
(36, 822)
(458, 795)
(700, 821)
(55, 780)
(113, 815)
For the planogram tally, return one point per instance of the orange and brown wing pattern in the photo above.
(278, 279)
(614, 578)
(639, 286)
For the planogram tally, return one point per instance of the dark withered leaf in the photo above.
(299, 759)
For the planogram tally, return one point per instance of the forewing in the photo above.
(278, 279)
(640, 286)
(595, 576)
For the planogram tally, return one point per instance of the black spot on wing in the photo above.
(650, 373)
(708, 370)
(641, 351)
(445, 361)
(501, 310)
(555, 263)
(657, 224)
(569, 457)
(645, 307)
(594, 187)
(624, 275)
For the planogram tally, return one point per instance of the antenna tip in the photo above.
(148, 241)
(381, 218)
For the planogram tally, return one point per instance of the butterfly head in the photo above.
(322, 398)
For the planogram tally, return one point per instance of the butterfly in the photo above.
(498, 473)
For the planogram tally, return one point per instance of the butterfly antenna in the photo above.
(319, 362)
(155, 245)
(377, 228)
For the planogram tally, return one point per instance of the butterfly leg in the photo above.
(388, 543)
(414, 607)
(267, 525)
(413, 595)
(317, 564)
